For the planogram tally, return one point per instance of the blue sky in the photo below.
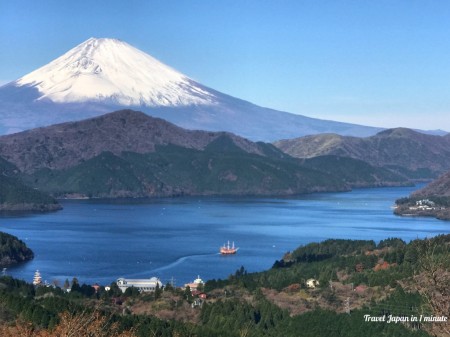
(380, 63)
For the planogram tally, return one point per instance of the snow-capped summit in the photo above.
(113, 71)
(103, 75)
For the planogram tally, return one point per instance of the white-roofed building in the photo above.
(143, 285)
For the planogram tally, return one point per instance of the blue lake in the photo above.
(100, 241)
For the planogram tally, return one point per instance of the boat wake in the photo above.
(180, 261)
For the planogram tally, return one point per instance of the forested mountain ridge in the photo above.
(176, 171)
(16, 196)
(129, 154)
(355, 172)
(412, 154)
(64, 145)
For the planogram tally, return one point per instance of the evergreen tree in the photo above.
(188, 295)
(158, 291)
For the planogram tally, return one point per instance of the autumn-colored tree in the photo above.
(88, 324)
(21, 329)
(84, 324)
(433, 281)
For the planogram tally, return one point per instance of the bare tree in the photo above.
(433, 281)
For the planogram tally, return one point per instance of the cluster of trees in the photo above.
(438, 200)
(330, 248)
(236, 317)
(18, 300)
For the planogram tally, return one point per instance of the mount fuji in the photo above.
(102, 75)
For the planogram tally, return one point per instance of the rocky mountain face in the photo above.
(103, 75)
(412, 154)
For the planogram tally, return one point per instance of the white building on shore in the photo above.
(143, 285)
(194, 285)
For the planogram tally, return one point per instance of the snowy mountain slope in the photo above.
(103, 75)
(112, 70)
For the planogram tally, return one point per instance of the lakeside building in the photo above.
(194, 285)
(143, 285)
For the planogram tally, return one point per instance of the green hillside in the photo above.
(15, 196)
(221, 168)
(356, 173)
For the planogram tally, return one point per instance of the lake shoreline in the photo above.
(101, 240)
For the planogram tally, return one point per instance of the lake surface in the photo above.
(100, 241)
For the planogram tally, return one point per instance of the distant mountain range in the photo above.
(103, 75)
(130, 154)
(412, 154)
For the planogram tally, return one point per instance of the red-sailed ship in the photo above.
(227, 249)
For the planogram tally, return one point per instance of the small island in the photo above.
(13, 250)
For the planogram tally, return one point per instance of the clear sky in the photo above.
(379, 63)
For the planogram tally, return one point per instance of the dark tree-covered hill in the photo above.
(13, 250)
